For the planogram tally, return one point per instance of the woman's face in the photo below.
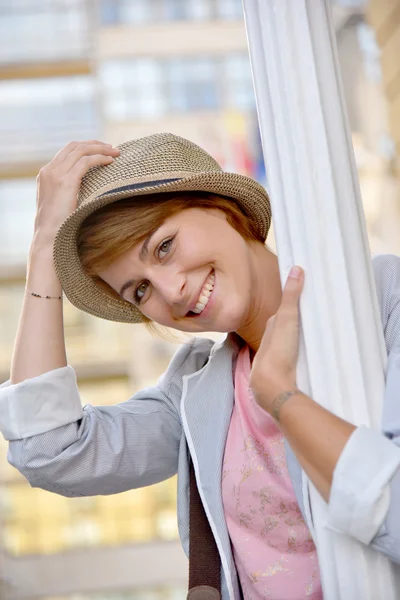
(193, 274)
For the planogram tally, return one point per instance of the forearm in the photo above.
(39, 345)
(316, 436)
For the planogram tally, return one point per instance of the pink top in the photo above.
(274, 553)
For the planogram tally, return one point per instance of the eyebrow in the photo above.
(142, 255)
(145, 247)
(126, 286)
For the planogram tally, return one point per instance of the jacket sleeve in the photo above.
(365, 493)
(73, 451)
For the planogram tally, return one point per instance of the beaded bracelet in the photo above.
(45, 297)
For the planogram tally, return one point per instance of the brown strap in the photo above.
(204, 560)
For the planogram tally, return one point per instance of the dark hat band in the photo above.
(139, 186)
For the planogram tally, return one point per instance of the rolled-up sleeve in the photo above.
(111, 449)
(39, 404)
(71, 450)
(360, 492)
(365, 492)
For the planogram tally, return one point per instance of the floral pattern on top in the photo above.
(274, 553)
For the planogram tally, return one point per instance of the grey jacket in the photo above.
(64, 448)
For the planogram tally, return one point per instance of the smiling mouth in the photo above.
(204, 296)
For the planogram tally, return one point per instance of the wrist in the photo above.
(281, 400)
(272, 393)
(271, 388)
(41, 277)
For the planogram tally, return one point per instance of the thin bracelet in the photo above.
(45, 297)
(280, 401)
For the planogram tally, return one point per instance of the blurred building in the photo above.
(115, 70)
(384, 16)
(368, 109)
(109, 70)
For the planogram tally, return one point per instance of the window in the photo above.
(200, 9)
(146, 88)
(239, 92)
(148, 11)
(17, 216)
(11, 297)
(133, 89)
(134, 12)
(39, 116)
(192, 84)
(174, 9)
(149, 88)
(188, 9)
(140, 11)
(229, 9)
(45, 31)
(39, 522)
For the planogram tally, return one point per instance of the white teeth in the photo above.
(204, 295)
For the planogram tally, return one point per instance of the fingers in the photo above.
(82, 153)
(82, 166)
(289, 307)
(64, 152)
(72, 162)
(58, 182)
(293, 288)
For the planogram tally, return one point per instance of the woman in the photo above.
(162, 235)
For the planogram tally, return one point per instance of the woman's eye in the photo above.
(140, 291)
(164, 248)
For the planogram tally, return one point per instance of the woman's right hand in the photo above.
(58, 184)
(40, 345)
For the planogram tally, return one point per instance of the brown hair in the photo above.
(114, 229)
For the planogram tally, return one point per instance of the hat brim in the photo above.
(80, 288)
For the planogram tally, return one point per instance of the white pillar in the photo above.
(319, 224)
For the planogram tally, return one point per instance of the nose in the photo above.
(172, 287)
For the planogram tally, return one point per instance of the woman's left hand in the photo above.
(274, 366)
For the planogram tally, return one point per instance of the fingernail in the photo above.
(295, 273)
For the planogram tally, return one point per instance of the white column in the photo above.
(319, 224)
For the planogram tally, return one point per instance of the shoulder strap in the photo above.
(204, 560)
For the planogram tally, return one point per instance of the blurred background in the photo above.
(115, 70)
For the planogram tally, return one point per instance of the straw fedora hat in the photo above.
(159, 163)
